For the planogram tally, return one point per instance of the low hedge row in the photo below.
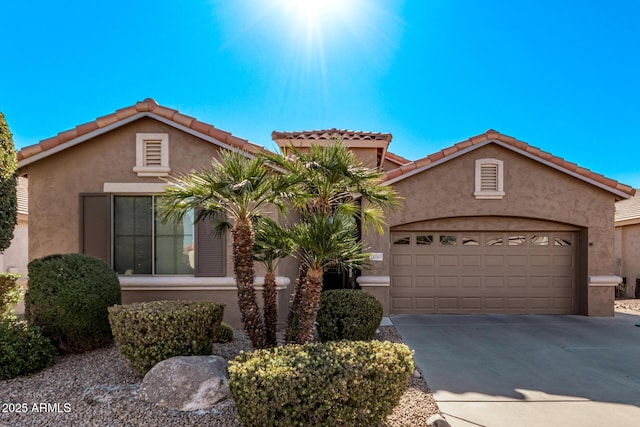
(149, 332)
(340, 383)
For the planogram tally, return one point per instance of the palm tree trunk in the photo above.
(293, 319)
(270, 309)
(245, 275)
(309, 306)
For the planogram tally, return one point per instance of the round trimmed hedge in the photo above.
(348, 314)
(68, 297)
(23, 349)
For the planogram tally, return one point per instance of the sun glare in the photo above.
(314, 12)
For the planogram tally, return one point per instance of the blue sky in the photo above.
(563, 76)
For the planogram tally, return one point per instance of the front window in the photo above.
(145, 245)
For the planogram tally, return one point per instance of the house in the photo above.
(627, 224)
(490, 224)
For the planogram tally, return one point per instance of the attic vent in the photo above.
(152, 154)
(489, 179)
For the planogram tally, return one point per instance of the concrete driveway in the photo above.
(543, 370)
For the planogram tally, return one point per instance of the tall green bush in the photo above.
(68, 297)
(8, 196)
(149, 332)
(348, 314)
(340, 383)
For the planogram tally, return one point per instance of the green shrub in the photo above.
(225, 333)
(149, 332)
(68, 297)
(340, 383)
(10, 292)
(23, 349)
(348, 314)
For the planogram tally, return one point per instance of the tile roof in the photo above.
(396, 159)
(519, 146)
(628, 211)
(333, 133)
(148, 107)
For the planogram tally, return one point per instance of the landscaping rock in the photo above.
(437, 421)
(187, 383)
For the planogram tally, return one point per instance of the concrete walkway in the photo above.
(521, 371)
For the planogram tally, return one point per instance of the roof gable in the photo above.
(520, 147)
(123, 116)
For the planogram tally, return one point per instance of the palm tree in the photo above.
(323, 241)
(329, 185)
(240, 188)
(272, 244)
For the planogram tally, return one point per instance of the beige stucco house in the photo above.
(490, 224)
(627, 223)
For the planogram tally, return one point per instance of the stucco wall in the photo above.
(15, 257)
(533, 191)
(628, 250)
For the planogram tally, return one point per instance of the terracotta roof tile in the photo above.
(517, 144)
(331, 133)
(395, 158)
(146, 106)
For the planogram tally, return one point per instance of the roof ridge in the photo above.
(329, 133)
(148, 105)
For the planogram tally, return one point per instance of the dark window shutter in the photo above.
(210, 259)
(95, 225)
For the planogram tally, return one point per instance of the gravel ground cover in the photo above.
(99, 389)
(629, 306)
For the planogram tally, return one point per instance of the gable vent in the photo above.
(152, 153)
(489, 177)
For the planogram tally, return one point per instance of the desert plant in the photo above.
(273, 243)
(23, 349)
(224, 334)
(68, 297)
(341, 383)
(10, 293)
(147, 333)
(348, 314)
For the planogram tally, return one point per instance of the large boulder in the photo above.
(187, 383)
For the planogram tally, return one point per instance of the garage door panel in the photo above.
(494, 281)
(529, 272)
(517, 260)
(425, 260)
(425, 302)
(447, 260)
(471, 260)
(447, 281)
(494, 260)
(517, 281)
(425, 281)
(402, 260)
(402, 281)
(471, 282)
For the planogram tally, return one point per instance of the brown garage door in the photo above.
(483, 272)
